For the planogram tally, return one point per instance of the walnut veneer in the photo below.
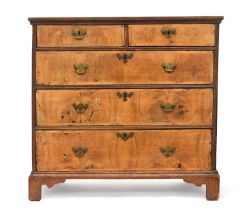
(124, 98)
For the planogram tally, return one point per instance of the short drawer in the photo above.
(123, 150)
(113, 67)
(172, 35)
(124, 107)
(80, 36)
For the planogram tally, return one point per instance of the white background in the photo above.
(233, 120)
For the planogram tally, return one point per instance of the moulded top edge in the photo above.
(124, 20)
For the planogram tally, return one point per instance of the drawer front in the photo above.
(106, 150)
(105, 67)
(80, 36)
(125, 107)
(172, 35)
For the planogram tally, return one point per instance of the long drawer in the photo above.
(124, 67)
(125, 107)
(123, 150)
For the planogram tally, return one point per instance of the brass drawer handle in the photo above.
(125, 136)
(124, 57)
(80, 68)
(80, 107)
(124, 95)
(79, 34)
(79, 151)
(167, 151)
(169, 67)
(167, 107)
(168, 32)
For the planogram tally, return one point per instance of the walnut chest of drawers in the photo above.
(124, 98)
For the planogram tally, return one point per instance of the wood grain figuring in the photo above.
(186, 35)
(193, 107)
(175, 109)
(56, 68)
(107, 151)
(61, 36)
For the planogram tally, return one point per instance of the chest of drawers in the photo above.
(124, 98)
